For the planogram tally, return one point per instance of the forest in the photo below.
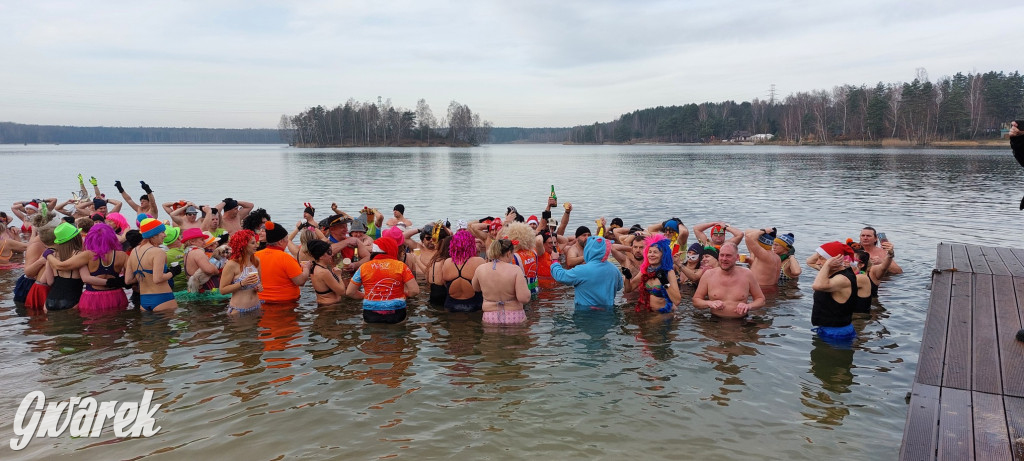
(969, 106)
(358, 124)
(16, 133)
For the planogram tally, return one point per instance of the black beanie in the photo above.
(582, 230)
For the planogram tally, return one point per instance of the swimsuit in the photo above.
(246, 271)
(471, 304)
(643, 304)
(98, 299)
(328, 290)
(150, 301)
(832, 319)
(438, 291)
(503, 317)
(64, 293)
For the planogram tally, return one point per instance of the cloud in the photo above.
(526, 63)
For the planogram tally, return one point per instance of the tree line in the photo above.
(360, 124)
(16, 133)
(962, 107)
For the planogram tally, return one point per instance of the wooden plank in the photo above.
(956, 367)
(995, 262)
(920, 434)
(933, 339)
(1013, 264)
(1019, 253)
(944, 257)
(956, 425)
(986, 376)
(1014, 407)
(991, 439)
(960, 260)
(978, 263)
(1008, 322)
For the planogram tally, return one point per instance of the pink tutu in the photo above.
(95, 302)
(504, 317)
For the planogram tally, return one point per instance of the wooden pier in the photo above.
(968, 395)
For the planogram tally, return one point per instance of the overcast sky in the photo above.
(241, 64)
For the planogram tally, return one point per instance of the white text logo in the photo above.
(82, 418)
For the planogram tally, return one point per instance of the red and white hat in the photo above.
(532, 219)
(832, 249)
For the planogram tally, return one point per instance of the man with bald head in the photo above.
(728, 290)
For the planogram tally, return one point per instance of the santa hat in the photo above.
(832, 249)
(532, 220)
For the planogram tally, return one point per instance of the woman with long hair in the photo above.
(657, 281)
(502, 285)
(148, 266)
(438, 290)
(456, 273)
(65, 290)
(526, 250)
(327, 284)
(241, 275)
(104, 287)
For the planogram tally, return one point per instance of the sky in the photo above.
(243, 64)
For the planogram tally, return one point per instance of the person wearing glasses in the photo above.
(185, 215)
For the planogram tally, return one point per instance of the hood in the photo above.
(597, 249)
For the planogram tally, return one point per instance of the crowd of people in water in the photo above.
(86, 254)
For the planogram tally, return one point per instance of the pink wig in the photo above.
(101, 240)
(662, 243)
(462, 247)
(119, 219)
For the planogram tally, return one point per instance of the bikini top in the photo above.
(243, 274)
(139, 269)
(328, 290)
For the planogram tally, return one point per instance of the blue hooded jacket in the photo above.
(596, 281)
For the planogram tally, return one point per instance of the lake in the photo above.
(315, 382)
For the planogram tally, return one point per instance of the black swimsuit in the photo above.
(328, 290)
(438, 291)
(64, 293)
(472, 304)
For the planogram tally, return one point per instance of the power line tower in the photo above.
(771, 94)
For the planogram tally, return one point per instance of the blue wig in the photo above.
(662, 243)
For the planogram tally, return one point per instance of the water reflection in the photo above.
(727, 342)
(832, 366)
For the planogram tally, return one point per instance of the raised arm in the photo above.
(751, 236)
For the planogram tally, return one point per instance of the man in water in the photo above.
(718, 230)
(764, 263)
(869, 241)
(726, 289)
(232, 213)
(146, 205)
(280, 274)
(574, 254)
(399, 218)
(632, 259)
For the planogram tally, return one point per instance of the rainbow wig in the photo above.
(521, 234)
(462, 247)
(101, 240)
(662, 243)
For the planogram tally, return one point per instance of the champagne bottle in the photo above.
(553, 194)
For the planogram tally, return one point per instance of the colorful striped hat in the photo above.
(151, 228)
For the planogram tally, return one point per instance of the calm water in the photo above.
(316, 382)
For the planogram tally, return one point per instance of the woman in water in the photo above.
(457, 271)
(241, 275)
(65, 290)
(657, 281)
(783, 246)
(104, 289)
(502, 284)
(194, 241)
(692, 268)
(327, 283)
(527, 248)
(147, 265)
(438, 289)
